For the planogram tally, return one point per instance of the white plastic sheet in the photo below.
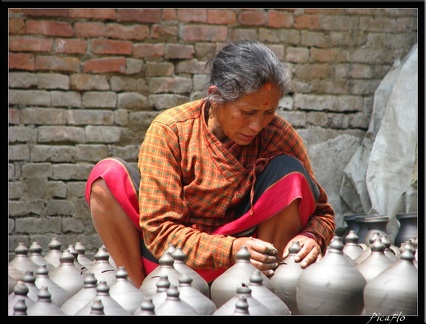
(383, 171)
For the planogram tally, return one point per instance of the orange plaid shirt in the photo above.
(191, 183)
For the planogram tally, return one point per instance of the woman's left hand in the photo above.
(310, 251)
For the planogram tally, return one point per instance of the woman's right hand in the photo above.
(262, 254)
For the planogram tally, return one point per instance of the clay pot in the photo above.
(29, 280)
(44, 305)
(367, 250)
(160, 295)
(389, 252)
(201, 304)
(408, 245)
(394, 291)
(173, 305)
(81, 257)
(265, 296)
(407, 227)
(125, 292)
(147, 307)
(82, 297)
(35, 255)
(254, 305)
(285, 278)
(351, 247)
(77, 264)
(351, 223)
(166, 267)
(66, 275)
(102, 268)
(331, 286)
(54, 252)
(223, 287)
(15, 273)
(58, 294)
(20, 308)
(241, 307)
(11, 283)
(97, 308)
(111, 307)
(21, 261)
(20, 292)
(375, 224)
(362, 227)
(180, 265)
(376, 262)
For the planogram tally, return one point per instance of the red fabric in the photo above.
(290, 187)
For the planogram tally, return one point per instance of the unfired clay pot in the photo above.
(223, 287)
(285, 278)
(395, 290)
(331, 286)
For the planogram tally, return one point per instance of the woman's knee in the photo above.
(99, 190)
(100, 197)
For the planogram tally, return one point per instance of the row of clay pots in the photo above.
(365, 224)
(341, 285)
(337, 284)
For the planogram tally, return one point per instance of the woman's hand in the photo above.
(310, 251)
(262, 254)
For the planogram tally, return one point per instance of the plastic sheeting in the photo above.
(381, 177)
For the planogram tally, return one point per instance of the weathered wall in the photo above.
(84, 84)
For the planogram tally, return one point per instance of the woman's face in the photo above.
(242, 119)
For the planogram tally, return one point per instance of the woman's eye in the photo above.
(250, 113)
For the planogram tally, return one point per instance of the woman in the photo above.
(214, 175)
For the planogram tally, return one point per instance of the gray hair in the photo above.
(244, 67)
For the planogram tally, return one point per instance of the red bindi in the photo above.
(266, 103)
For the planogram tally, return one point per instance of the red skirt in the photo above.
(282, 181)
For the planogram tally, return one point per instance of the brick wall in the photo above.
(84, 84)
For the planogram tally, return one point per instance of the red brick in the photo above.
(140, 15)
(46, 12)
(16, 26)
(204, 33)
(136, 32)
(89, 29)
(279, 19)
(30, 44)
(49, 28)
(323, 55)
(179, 51)
(107, 46)
(70, 46)
(309, 22)
(14, 115)
(165, 33)
(169, 14)
(252, 18)
(192, 15)
(57, 63)
(221, 17)
(102, 14)
(148, 50)
(105, 65)
(21, 62)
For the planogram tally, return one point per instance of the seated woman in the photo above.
(214, 175)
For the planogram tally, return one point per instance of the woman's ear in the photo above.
(213, 90)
